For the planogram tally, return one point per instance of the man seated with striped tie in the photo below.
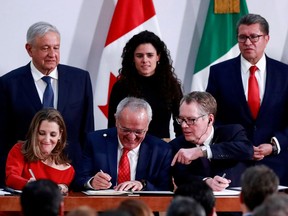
(125, 157)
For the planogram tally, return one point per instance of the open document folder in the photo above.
(111, 192)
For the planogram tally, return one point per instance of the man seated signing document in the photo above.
(205, 151)
(125, 157)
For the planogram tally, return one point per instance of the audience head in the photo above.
(47, 126)
(274, 205)
(43, 43)
(135, 208)
(133, 116)
(114, 212)
(252, 33)
(200, 192)
(185, 206)
(82, 211)
(196, 116)
(257, 182)
(41, 197)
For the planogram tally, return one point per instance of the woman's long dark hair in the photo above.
(165, 75)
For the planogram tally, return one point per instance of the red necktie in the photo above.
(124, 167)
(253, 92)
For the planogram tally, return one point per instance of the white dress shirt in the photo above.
(41, 85)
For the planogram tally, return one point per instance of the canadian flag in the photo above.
(130, 17)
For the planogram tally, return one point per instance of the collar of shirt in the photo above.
(37, 75)
(260, 75)
(41, 85)
(208, 142)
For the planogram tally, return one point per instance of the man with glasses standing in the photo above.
(125, 157)
(252, 90)
(206, 152)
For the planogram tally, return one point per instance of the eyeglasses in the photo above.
(128, 131)
(253, 38)
(188, 121)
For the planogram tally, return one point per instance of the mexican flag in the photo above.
(218, 43)
(130, 17)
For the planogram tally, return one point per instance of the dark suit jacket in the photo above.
(20, 102)
(231, 149)
(225, 84)
(100, 152)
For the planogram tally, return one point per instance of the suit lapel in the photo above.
(28, 85)
(63, 88)
(144, 156)
(112, 150)
(238, 86)
(269, 87)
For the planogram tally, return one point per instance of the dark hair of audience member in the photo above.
(185, 206)
(82, 211)
(257, 183)
(135, 207)
(200, 192)
(274, 205)
(41, 197)
(114, 212)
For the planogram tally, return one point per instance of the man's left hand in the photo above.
(129, 185)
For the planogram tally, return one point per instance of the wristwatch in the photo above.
(204, 151)
(274, 149)
(144, 183)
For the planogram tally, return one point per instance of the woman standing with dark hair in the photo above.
(42, 155)
(147, 73)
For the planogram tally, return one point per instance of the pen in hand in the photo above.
(107, 178)
(223, 176)
(32, 174)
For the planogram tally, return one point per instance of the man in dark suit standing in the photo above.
(22, 93)
(149, 158)
(258, 102)
(206, 152)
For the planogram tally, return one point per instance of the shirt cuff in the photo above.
(274, 140)
(209, 152)
(88, 184)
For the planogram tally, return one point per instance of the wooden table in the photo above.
(100, 203)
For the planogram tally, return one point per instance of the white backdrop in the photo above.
(84, 24)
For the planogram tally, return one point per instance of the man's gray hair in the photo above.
(39, 29)
(134, 104)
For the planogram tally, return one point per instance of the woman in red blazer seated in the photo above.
(42, 155)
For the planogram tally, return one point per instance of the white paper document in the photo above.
(3, 193)
(153, 192)
(109, 192)
(227, 192)
(280, 187)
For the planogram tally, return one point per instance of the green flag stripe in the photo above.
(219, 35)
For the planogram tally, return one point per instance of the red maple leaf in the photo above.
(104, 108)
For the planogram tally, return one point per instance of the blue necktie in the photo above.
(48, 96)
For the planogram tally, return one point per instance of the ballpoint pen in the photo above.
(32, 174)
(223, 176)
